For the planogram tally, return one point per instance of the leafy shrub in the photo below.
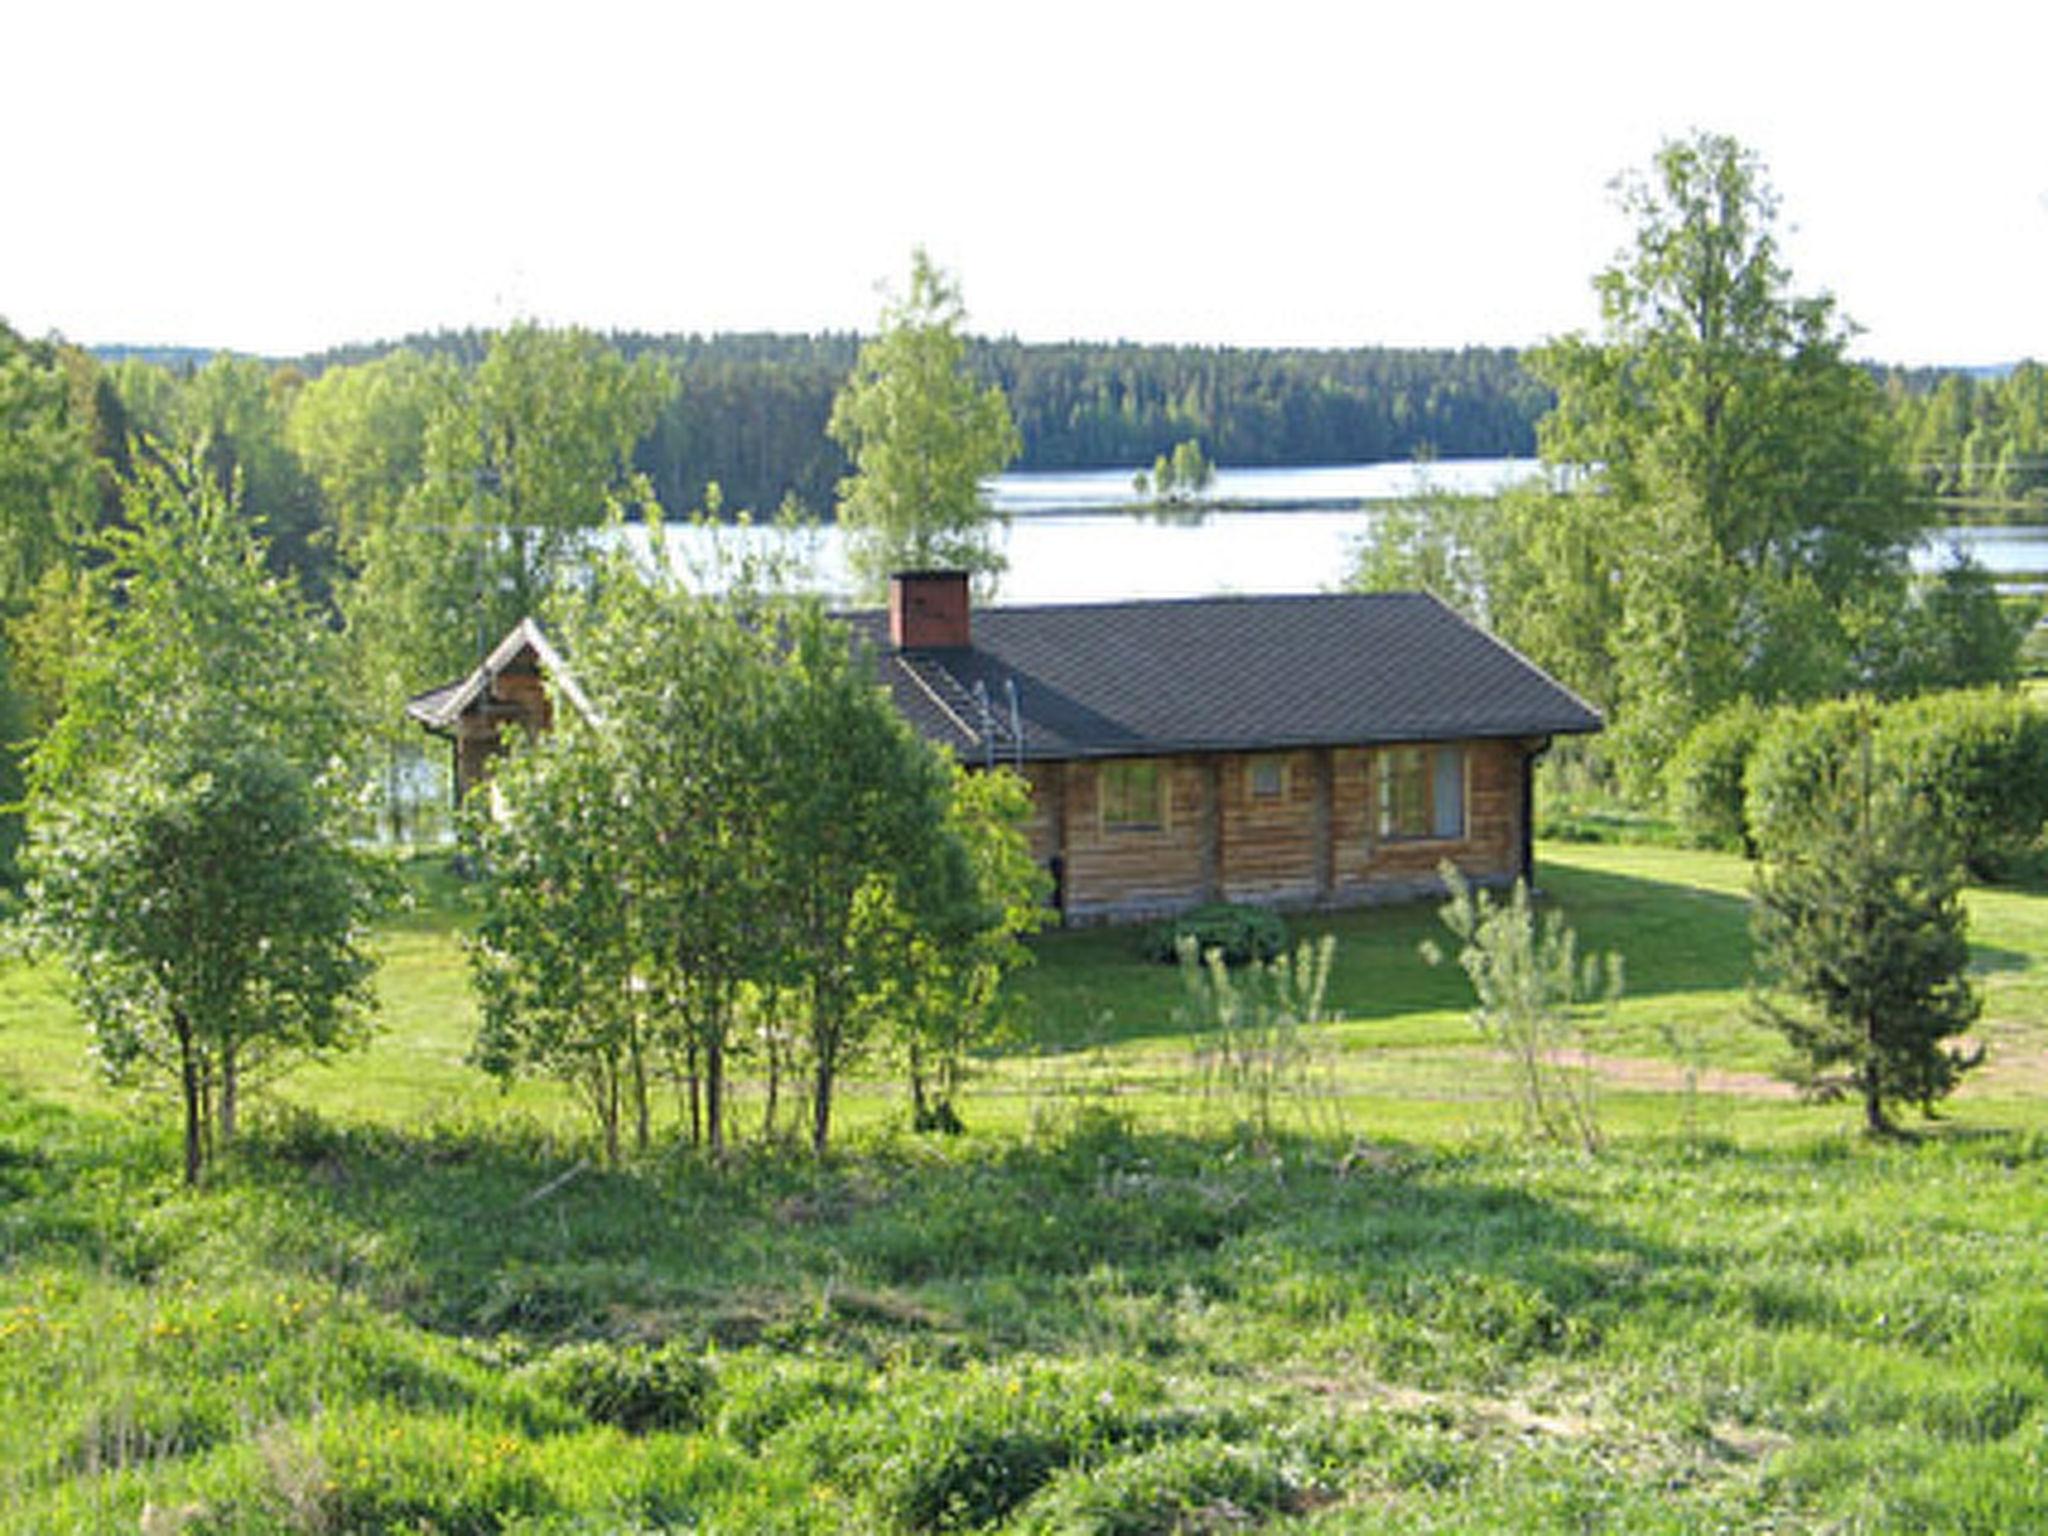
(1239, 933)
(628, 1385)
(1977, 761)
(1253, 1028)
(1193, 1485)
(1980, 762)
(1798, 761)
(1531, 987)
(1703, 786)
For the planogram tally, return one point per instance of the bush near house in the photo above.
(1978, 761)
(1704, 786)
(1239, 933)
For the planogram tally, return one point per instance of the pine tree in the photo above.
(1861, 951)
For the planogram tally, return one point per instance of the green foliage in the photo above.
(857, 828)
(1705, 784)
(1435, 542)
(1180, 476)
(48, 494)
(1251, 1028)
(1979, 762)
(1163, 1490)
(229, 419)
(212, 918)
(1240, 934)
(1743, 514)
(922, 435)
(1767, 1325)
(749, 412)
(753, 853)
(1975, 763)
(182, 621)
(967, 1458)
(1797, 758)
(938, 984)
(559, 953)
(634, 1387)
(1954, 631)
(1862, 958)
(466, 500)
(187, 859)
(1981, 441)
(1531, 987)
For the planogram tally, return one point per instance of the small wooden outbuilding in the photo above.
(514, 686)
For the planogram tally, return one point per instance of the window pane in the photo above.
(1268, 778)
(1448, 794)
(1130, 795)
(1404, 792)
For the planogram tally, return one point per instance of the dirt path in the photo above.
(1650, 1075)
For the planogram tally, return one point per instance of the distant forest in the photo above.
(750, 410)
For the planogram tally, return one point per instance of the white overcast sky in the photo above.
(292, 174)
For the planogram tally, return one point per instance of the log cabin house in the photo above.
(1314, 751)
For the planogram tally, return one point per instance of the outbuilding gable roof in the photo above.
(438, 709)
(1220, 674)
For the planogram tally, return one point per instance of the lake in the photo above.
(1073, 536)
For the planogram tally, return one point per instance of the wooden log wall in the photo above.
(1313, 843)
(516, 700)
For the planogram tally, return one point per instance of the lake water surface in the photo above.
(1073, 536)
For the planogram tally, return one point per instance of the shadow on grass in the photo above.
(961, 1252)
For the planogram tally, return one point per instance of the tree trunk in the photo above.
(637, 1058)
(1875, 1120)
(821, 1104)
(230, 1081)
(714, 1094)
(696, 1095)
(195, 1104)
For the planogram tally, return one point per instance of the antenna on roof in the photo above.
(988, 724)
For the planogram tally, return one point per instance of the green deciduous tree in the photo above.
(1861, 951)
(937, 984)
(857, 826)
(1179, 476)
(560, 954)
(186, 857)
(48, 488)
(1746, 513)
(750, 836)
(922, 435)
(465, 500)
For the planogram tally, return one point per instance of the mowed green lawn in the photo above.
(1107, 1308)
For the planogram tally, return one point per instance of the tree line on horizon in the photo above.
(749, 411)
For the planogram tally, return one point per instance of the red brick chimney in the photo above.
(928, 610)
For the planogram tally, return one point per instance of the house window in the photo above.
(1133, 797)
(1266, 778)
(1421, 793)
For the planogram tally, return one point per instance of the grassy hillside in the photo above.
(407, 1302)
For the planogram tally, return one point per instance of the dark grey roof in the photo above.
(1222, 674)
